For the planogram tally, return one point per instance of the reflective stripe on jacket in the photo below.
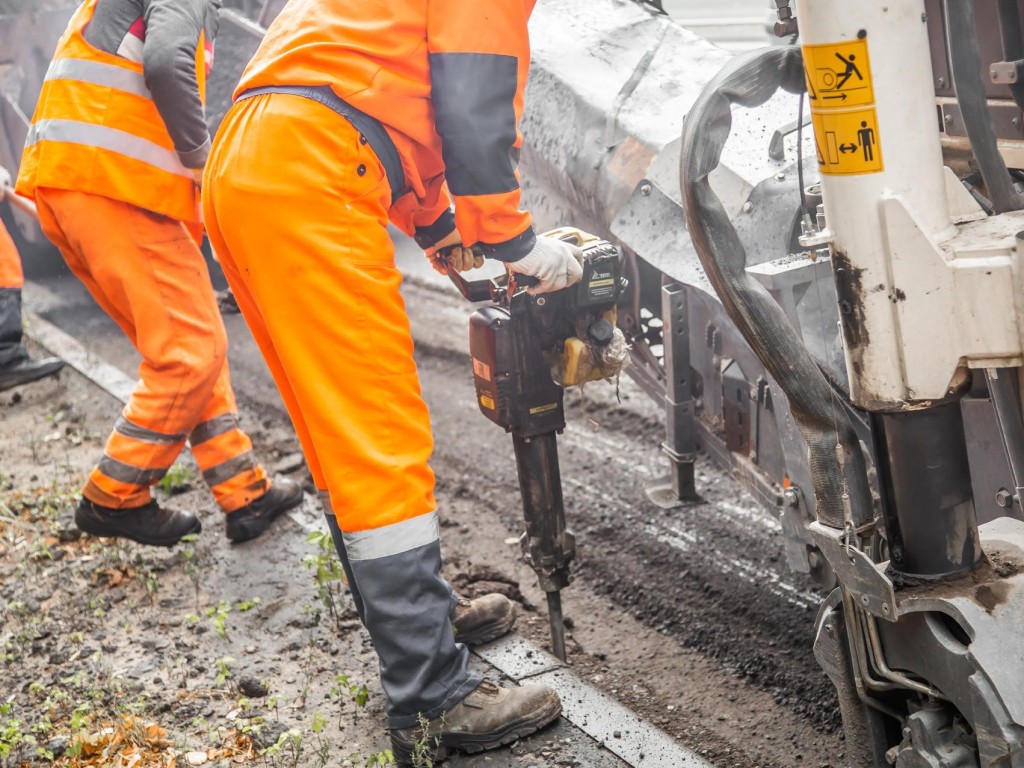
(445, 78)
(121, 111)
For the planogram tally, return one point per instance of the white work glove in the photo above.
(458, 257)
(555, 263)
(197, 176)
(5, 181)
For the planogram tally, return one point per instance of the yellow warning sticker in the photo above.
(543, 408)
(487, 402)
(838, 75)
(847, 142)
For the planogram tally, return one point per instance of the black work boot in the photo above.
(25, 370)
(149, 524)
(254, 518)
(16, 367)
(487, 718)
(483, 619)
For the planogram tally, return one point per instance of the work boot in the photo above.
(483, 619)
(253, 519)
(26, 369)
(487, 718)
(149, 524)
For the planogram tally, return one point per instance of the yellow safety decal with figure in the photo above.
(842, 99)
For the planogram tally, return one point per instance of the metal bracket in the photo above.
(786, 26)
(862, 578)
(1006, 72)
(680, 421)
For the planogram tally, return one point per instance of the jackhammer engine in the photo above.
(525, 349)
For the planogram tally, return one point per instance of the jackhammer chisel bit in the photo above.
(525, 349)
(548, 547)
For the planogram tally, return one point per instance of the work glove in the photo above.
(450, 253)
(555, 264)
(5, 181)
(197, 176)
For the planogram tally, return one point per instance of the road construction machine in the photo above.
(822, 285)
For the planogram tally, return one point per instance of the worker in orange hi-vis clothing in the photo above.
(16, 367)
(351, 114)
(113, 160)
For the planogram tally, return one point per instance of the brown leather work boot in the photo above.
(487, 718)
(483, 619)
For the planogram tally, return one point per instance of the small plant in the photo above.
(218, 616)
(423, 749)
(177, 480)
(287, 750)
(98, 606)
(248, 605)
(78, 718)
(13, 738)
(380, 759)
(323, 746)
(345, 688)
(224, 664)
(274, 702)
(328, 574)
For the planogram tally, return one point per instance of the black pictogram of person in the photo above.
(866, 139)
(850, 71)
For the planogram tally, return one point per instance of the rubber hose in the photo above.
(1013, 45)
(970, 95)
(836, 461)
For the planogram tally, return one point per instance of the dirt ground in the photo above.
(228, 649)
(689, 617)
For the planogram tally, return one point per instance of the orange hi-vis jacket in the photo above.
(120, 115)
(445, 78)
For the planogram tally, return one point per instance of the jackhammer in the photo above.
(525, 350)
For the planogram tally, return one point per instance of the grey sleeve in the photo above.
(173, 28)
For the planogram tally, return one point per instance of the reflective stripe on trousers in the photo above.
(314, 253)
(148, 274)
(422, 670)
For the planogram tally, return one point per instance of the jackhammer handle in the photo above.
(471, 290)
(481, 290)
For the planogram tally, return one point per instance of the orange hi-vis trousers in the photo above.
(311, 264)
(296, 206)
(10, 262)
(146, 271)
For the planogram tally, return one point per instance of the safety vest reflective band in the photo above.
(111, 139)
(96, 129)
(98, 73)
